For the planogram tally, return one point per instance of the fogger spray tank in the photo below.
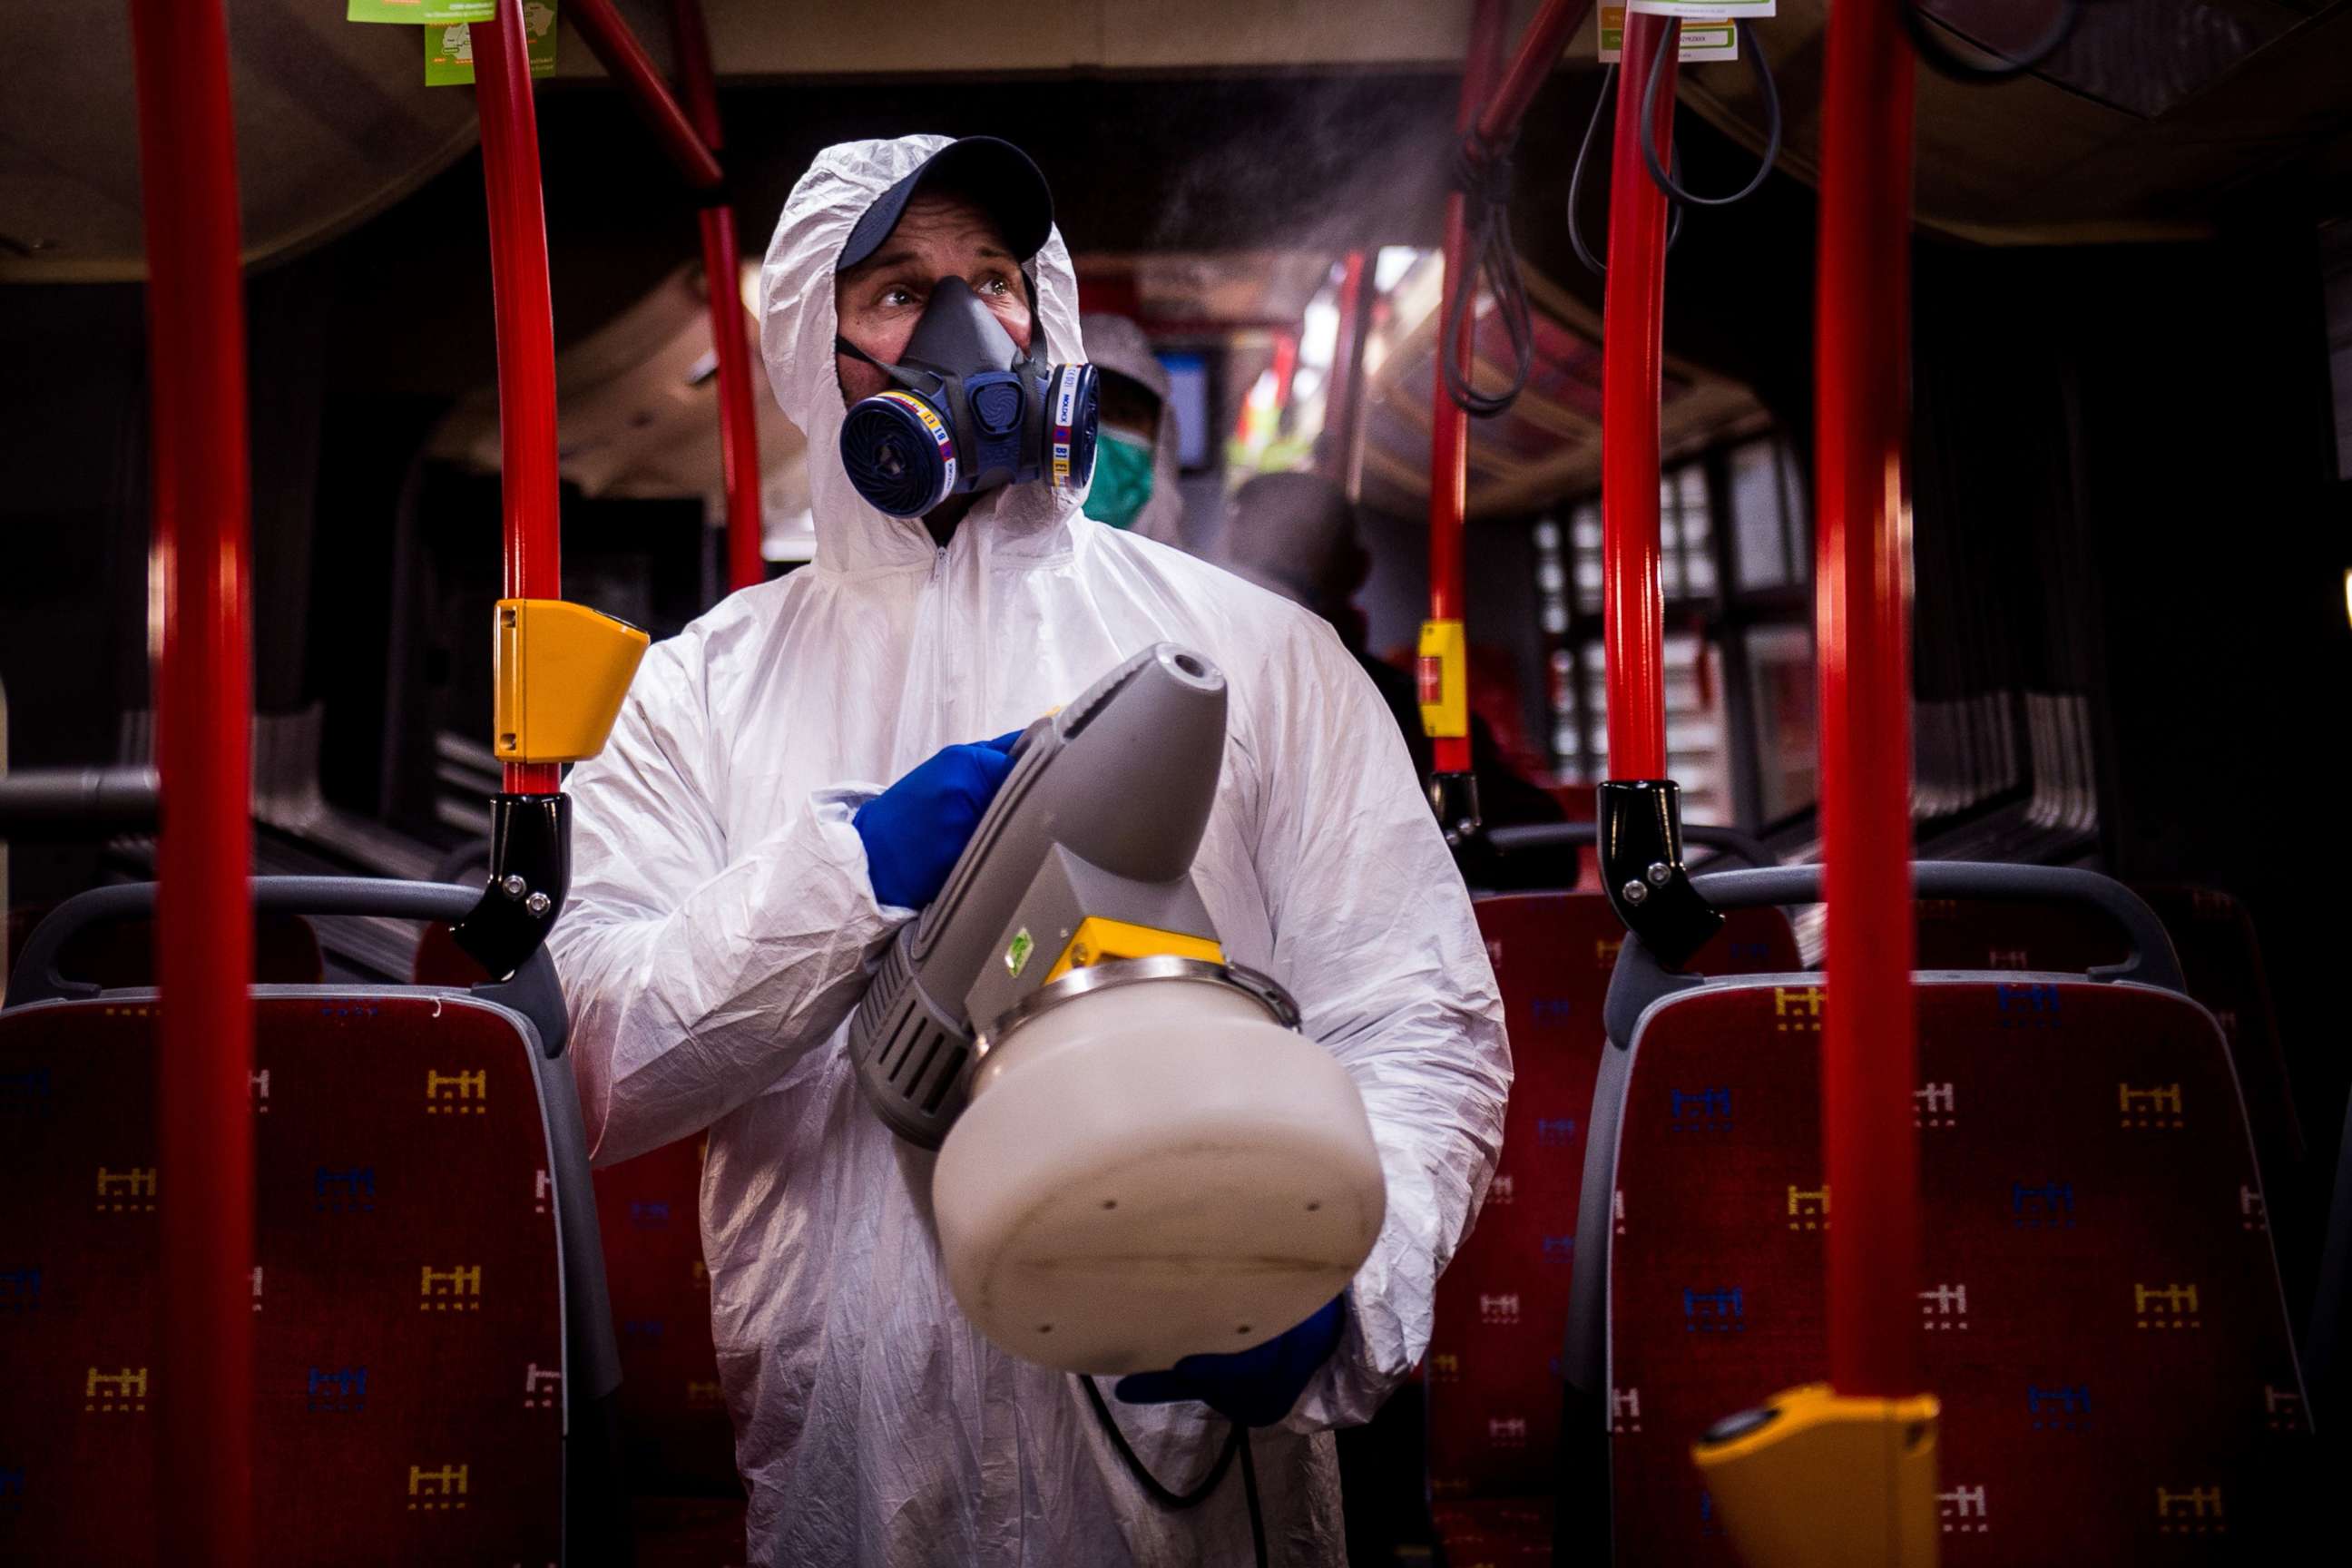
(1140, 1156)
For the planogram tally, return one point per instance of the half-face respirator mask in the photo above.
(1141, 1158)
(969, 411)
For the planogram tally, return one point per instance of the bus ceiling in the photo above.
(2135, 129)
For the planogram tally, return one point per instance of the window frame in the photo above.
(1721, 618)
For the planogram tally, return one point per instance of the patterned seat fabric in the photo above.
(1513, 1533)
(679, 1442)
(2100, 1313)
(1492, 1370)
(409, 1333)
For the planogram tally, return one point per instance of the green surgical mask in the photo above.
(1122, 479)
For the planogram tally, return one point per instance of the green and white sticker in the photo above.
(449, 51)
(1701, 41)
(1016, 957)
(431, 12)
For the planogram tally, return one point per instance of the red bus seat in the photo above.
(424, 1301)
(2100, 1312)
(680, 1441)
(1492, 1371)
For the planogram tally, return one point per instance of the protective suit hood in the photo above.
(797, 325)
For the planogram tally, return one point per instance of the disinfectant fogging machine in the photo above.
(1140, 1156)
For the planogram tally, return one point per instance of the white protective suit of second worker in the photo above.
(721, 927)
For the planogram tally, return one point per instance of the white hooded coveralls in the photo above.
(722, 927)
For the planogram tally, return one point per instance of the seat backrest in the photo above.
(1493, 1407)
(409, 1316)
(2222, 964)
(1984, 935)
(2100, 1313)
(120, 955)
(431, 1323)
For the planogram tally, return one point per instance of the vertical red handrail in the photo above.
(528, 484)
(697, 83)
(1633, 355)
(1862, 408)
(1336, 461)
(688, 143)
(203, 921)
(1449, 439)
(739, 420)
(722, 264)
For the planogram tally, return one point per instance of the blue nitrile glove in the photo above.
(915, 829)
(1253, 1387)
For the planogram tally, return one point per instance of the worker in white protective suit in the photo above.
(724, 917)
(1136, 462)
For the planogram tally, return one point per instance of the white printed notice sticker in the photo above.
(1700, 40)
(1705, 10)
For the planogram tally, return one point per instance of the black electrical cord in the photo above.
(1482, 173)
(1938, 57)
(1764, 84)
(1592, 263)
(1249, 1492)
(1236, 1442)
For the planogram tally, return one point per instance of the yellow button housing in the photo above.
(1444, 677)
(562, 673)
(1813, 1479)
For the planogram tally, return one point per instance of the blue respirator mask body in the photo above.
(969, 412)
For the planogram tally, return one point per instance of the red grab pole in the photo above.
(528, 485)
(1449, 444)
(1862, 408)
(1335, 461)
(1632, 353)
(739, 421)
(204, 920)
(722, 265)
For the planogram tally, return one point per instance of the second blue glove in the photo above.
(914, 830)
(1256, 1387)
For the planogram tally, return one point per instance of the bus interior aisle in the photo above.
(1846, 506)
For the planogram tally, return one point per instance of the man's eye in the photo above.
(996, 286)
(896, 296)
